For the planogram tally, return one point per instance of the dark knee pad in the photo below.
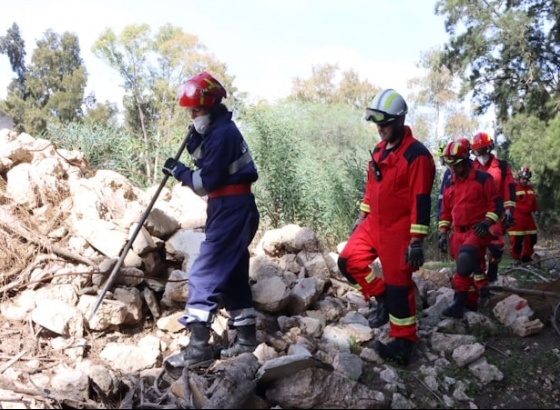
(466, 261)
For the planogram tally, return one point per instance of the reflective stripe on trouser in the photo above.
(220, 273)
(242, 317)
(523, 247)
(479, 281)
(363, 247)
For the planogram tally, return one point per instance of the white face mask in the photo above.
(201, 123)
(483, 159)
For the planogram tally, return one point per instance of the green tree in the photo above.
(52, 86)
(435, 89)
(507, 52)
(104, 114)
(152, 66)
(323, 87)
(312, 161)
(13, 45)
(535, 143)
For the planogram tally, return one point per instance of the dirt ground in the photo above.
(531, 365)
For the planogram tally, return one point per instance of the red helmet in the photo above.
(482, 140)
(202, 90)
(524, 172)
(454, 153)
(465, 142)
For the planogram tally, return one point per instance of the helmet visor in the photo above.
(451, 160)
(379, 117)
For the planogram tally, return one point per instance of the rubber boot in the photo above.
(381, 313)
(492, 272)
(398, 350)
(198, 353)
(246, 342)
(457, 308)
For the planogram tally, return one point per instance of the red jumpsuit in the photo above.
(398, 206)
(523, 233)
(465, 203)
(505, 185)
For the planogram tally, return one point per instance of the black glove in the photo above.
(442, 242)
(507, 221)
(481, 229)
(170, 166)
(414, 255)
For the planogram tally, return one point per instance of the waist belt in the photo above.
(236, 189)
(462, 229)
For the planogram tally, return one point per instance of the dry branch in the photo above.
(522, 291)
(10, 223)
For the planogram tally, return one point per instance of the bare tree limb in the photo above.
(10, 223)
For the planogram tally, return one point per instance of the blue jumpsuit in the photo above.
(444, 179)
(220, 273)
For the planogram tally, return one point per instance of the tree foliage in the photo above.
(103, 147)
(507, 52)
(152, 65)
(51, 88)
(13, 45)
(326, 85)
(312, 160)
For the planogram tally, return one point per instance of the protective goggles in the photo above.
(451, 161)
(379, 117)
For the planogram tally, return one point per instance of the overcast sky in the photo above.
(265, 43)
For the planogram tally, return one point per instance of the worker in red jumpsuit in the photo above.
(224, 171)
(470, 208)
(447, 172)
(393, 221)
(482, 146)
(523, 233)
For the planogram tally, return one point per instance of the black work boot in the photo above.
(398, 350)
(457, 308)
(381, 313)
(246, 342)
(198, 353)
(484, 296)
(492, 272)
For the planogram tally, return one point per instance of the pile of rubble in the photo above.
(64, 233)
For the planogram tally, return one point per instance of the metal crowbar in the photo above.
(114, 273)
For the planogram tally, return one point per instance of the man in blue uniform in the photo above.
(220, 274)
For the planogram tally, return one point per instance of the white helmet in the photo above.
(386, 107)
